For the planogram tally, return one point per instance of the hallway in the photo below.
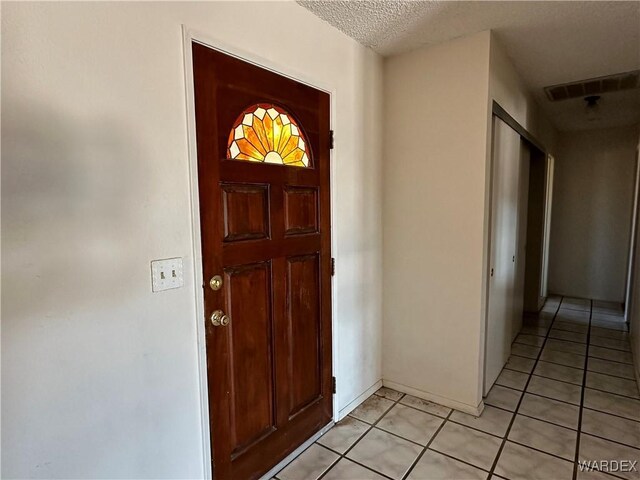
(580, 402)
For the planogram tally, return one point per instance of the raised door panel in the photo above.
(245, 211)
(300, 210)
(303, 319)
(251, 357)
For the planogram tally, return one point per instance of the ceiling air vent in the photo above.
(594, 86)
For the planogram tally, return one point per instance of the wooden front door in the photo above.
(263, 173)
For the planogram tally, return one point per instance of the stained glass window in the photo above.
(267, 133)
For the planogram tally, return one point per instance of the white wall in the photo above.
(593, 195)
(99, 375)
(436, 209)
(508, 89)
(434, 172)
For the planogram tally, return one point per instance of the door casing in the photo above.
(188, 36)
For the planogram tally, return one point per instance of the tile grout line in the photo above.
(582, 392)
(571, 383)
(424, 411)
(426, 447)
(568, 366)
(343, 455)
(515, 412)
(448, 455)
(558, 424)
(625, 397)
(370, 427)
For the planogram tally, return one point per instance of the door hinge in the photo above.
(333, 384)
(330, 139)
(333, 266)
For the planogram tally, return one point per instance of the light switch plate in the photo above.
(166, 274)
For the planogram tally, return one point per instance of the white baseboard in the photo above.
(361, 398)
(293, 455)
(432, 397)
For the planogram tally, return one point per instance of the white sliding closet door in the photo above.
(503, 246)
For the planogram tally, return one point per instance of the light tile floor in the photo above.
(567, 393)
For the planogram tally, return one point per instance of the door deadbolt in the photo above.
(216, 282)
(219, 319)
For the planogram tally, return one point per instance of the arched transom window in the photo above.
(267, 133)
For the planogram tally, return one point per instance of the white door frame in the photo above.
(548, 203)
(633, 239)
(190, 35)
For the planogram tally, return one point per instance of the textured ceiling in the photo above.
(549, 42)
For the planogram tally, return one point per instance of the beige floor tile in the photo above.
(547, 387)
(568, 336)
(592, 448)
(503, 397)
(385, 453)
(610, 343)
(605, 321)
(345, 469)
(610, 308)
(620, 386)
(559, 372)
(570, 326)
(372, 409)
(410, 423)
(610, 354)
(520, 364)
(550, 410)
(525, 350)
(312, 463)
(521, 463)
(614, 404)
(544, 436)
(611, 368)
(425, 406)
(573, 316)
(608, 333)
(389, 394)
(435, 466)
(593, 475)
(611, 427)
(493, 420)
(466, 444)
(569, 347)
(534, 340)
(534, 330)
(563, 358)
(512, 379)
(344, 434)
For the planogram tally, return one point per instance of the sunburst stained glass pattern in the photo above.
(267, 133)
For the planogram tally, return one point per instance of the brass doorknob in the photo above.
(219, 319)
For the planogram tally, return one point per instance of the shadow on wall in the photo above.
(69, 320)
(67, 191)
